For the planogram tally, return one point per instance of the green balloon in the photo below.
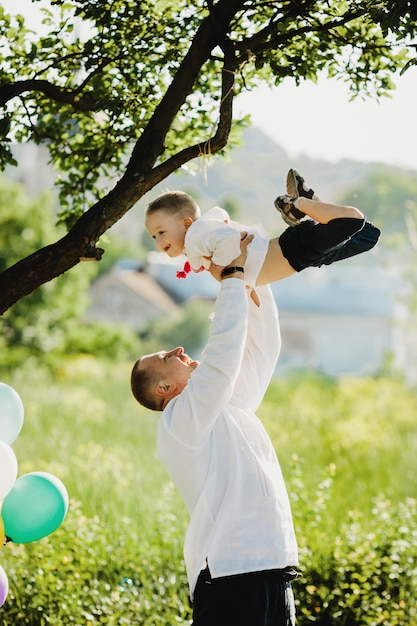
(35, 506)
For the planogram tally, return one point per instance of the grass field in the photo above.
(347, 448)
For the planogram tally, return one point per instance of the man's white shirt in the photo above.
(218, 452)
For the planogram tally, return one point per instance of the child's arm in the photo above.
(209, 242)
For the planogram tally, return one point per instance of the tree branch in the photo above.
(269, 37)
(211, 32)
(213, 144)
(11, 90)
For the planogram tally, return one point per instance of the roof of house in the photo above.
(145, 286)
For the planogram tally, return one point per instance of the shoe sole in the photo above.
(292, 187)
(291, 221)
(295, 186)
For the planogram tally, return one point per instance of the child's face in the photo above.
(168, 231)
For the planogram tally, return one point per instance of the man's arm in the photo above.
(190, 416)
(262, 349)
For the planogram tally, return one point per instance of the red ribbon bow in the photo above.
(183, 273)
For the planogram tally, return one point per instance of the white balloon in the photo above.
(11, 413)
(4, 586)
(8, 469)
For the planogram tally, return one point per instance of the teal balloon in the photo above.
(35, 507)
(11, 413)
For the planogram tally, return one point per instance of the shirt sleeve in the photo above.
(190, 416)
(263, 345)
(213, 240)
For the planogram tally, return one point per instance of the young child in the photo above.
(332, 233)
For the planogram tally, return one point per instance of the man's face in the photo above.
(167, 231)
(172, 368)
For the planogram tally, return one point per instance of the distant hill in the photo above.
(252, 176)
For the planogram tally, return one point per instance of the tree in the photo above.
(39, 324)
(138, 89)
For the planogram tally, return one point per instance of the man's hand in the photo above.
(245, 240)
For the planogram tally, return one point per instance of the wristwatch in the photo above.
(227, 271)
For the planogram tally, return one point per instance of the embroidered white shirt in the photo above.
(215, 238)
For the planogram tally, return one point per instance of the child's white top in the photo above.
(215, 238)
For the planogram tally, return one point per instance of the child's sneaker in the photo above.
(290, 214)
(296, 186)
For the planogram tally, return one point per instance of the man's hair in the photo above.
(142, 383)
(175, 203)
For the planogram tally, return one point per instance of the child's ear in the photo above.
(187, 221)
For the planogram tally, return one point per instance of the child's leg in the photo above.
(293, 210)
(301, 201)
(324, 212)
(293, 251)
(333, 233)
(312, 245)
(362, 241)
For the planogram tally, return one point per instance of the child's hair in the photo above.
(176, 203)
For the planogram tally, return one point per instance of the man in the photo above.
(240, 549)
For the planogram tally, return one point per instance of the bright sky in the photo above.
(320, 121)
